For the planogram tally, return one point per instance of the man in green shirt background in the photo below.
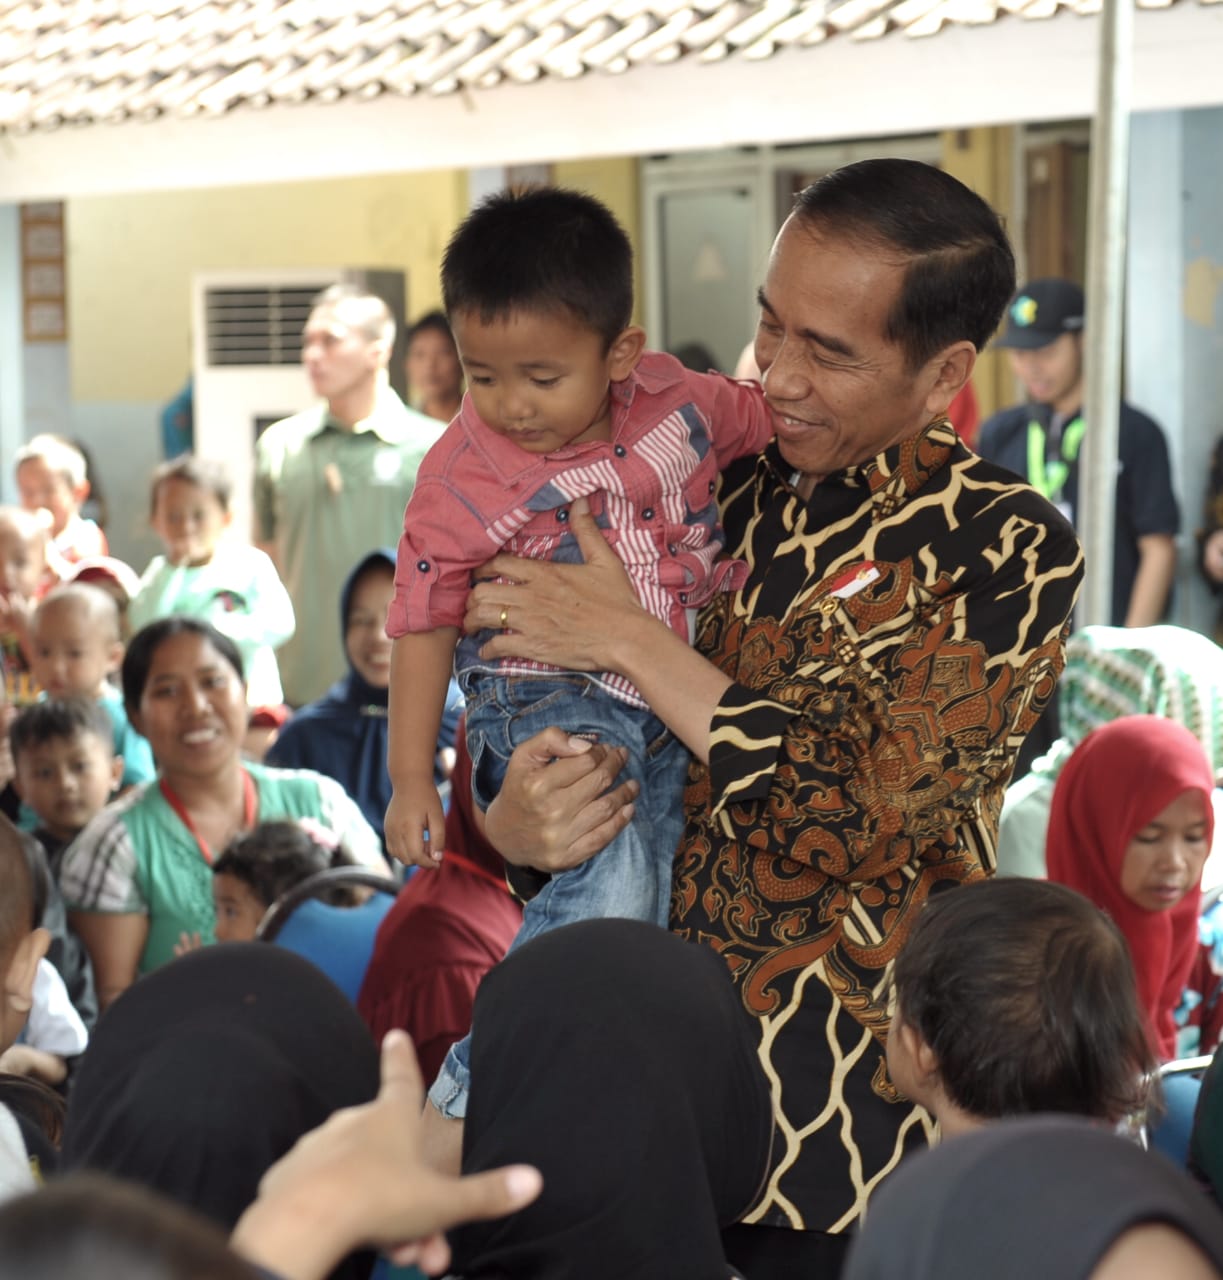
(331, 482)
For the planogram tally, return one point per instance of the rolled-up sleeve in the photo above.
(99, 871)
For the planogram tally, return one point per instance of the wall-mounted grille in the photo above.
(257, 326)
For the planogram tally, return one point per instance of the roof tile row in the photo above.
(81, 61)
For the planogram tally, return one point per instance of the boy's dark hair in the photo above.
(961, 271)
(17, 892)
(272, 857)
(1025, 993)
(204, 473)
(542, 249)
(90, 1225)
(59, 718)
(145, 643)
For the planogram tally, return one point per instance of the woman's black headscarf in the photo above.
(1041, 1196)
(206, 1071)
(619, 1060)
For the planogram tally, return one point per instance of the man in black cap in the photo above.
(1041, 440)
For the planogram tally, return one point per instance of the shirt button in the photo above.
(683, 597)
(712, 486)
(423, 566)
(648, 513)
(672, 548)
(562, 515)
(619, 450)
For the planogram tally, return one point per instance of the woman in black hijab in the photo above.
(1050, 1197)
(203, 1074)
(619, 1061)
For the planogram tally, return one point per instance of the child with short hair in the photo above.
(26, 558)
(53, 476)
(563, 404)
(23, 967)
(76, 649)
(265, 862)
(233, 586)
(66, 768)
(1015, 997)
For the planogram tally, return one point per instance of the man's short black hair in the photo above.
(59, 718)
(542, 249)
(1025, 992)
(960, 270)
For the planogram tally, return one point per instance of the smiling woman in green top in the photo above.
(139, 875)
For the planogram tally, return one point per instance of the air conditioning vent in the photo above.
(256, 326)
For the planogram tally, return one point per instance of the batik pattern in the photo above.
(899, 634)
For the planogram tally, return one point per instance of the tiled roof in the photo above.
(83, 61)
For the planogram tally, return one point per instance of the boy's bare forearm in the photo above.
(420, 675)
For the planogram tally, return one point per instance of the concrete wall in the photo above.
(1174, 309)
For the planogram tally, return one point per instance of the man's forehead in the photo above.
(327, 319)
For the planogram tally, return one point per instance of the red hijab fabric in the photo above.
(1117, 780)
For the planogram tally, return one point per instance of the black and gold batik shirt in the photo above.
(899, 634)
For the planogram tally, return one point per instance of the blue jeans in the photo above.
(631, 877)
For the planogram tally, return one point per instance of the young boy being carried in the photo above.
(26, 559)
(564, 403)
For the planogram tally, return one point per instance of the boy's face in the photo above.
(67, 780)
(23, 560)
(541, 378)
(71, 655)
(43, 489)
(189, 521)
(365, 638)
(238, 910)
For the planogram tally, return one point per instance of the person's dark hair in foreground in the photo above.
(1046, 1196)
(95, 1227)
(618, 1060)
(1023, 994)
(208, 1070)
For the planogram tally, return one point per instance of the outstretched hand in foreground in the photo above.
(360, 1180)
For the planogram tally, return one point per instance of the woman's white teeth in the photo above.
(195, 737)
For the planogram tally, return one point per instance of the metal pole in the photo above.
(1110, 145)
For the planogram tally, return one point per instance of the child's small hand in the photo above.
(187, 942)
(38, 1064)
(415, 825)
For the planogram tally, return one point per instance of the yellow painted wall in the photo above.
(615, 182)
(982, 160)
(131, 258)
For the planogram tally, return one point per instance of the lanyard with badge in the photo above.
(1048, 476)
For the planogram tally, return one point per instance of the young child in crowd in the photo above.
(233, 586)
(118, 579)
(563, 403)
(1130, 828)
(53, 476)
(76, 649)
(256, 868)
(66, 768)
(23, 947)
(344, 733)
(1015, 997)
(25, 560)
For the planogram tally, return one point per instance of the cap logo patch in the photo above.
(1023, 311)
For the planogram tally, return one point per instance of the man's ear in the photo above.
(625, 352)
(919, 1053)
(22, 969)
(953, 367)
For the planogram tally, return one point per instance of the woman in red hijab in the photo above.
(1130, 828)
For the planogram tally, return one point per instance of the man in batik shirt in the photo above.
(855, 711)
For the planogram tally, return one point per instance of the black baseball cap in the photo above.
(1041, 312)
